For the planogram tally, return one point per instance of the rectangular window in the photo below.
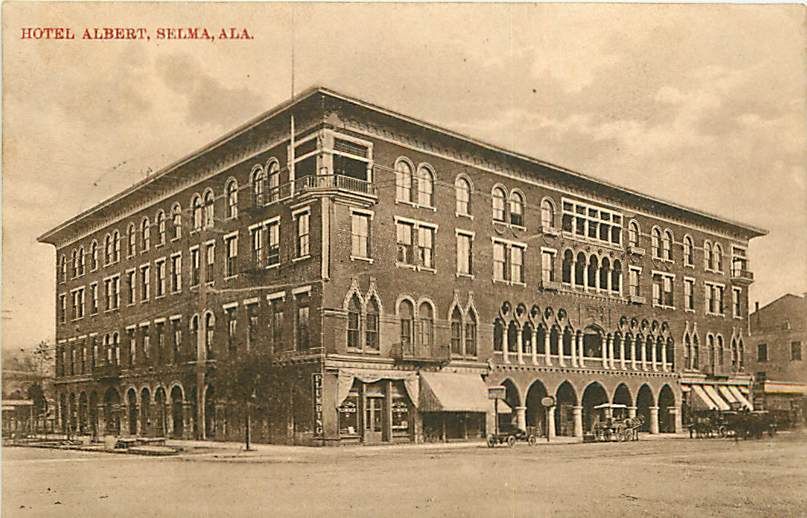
(739, 261)
(144, 332)
(277, 325)
(795, 351)
(663, 290)
(94, 297)
(176, 346)
(689, 294)
(74, 299)
(108, 294)
(499, 261)
(762, 352)
(231, 248)
(426, 247)
(301, 334)
(273, 242)
(116, 291)
(301, 222)
(508, 262)
(404, 232)
(714, 299)
(176, 273)
(360, 235)
(256, 246)
(144, 283)
(465, 258)
(159, 283)
(547, 266)
(210, 254)
(517, 264)
(195, 267)
(159, 330)
(415, 244)
(737, 302)
(591, 222)
(252, 325)
(130, 287)
(634, 277)
(232, 330)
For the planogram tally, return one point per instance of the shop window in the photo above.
(349, 415)
(400, 409)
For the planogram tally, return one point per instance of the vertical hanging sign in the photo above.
(316, 380)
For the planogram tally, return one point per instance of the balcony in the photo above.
(636, 299)
(742, 276)
(108, 372)
(549, 285)
(550, 231)
(331, 182)
(410, 352)
(636, 250)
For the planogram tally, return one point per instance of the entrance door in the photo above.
(373, 419)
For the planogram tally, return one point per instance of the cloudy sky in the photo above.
(703, 105)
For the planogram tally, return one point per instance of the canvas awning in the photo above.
(738, 395)
(348, 376)
(453, 392)
(726, 393)
(719, 401)
(703, 398)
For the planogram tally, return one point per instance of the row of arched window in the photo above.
(717, 355)
(592, 271)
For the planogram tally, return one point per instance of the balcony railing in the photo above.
(636, 299)
(420, 353)
(549, 285)
(333, 182)
(107, 371)
(550, 231)
(636, 250)
(742, 275)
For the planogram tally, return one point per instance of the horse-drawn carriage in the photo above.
(738, 424)
(611, 423)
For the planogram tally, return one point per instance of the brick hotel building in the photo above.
(395, 270)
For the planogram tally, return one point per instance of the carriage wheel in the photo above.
(722, 432)
(511, 441)
(491, 441)
(532, 440)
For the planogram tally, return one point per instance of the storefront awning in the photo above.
(453, 392)
(719, 401)
(348, 376)
(726, 393)
(703, 398)
(738, 395)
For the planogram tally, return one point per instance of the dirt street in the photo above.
(676, 477)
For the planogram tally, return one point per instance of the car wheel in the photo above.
(511, 441)
(491, 441)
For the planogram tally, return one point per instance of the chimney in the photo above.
(756, 306)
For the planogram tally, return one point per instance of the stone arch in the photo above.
(73, 411)
(160, 403)
(666, 410)
(536, 412)
(210, 411)
(177, 398)
(145, 411)
(131, 407)
(568, 341)
(594, 394)
(644, 400)
(82, 412)
(353, 291)
(565, 401)
(622, 395)
(112, 410)
(512, 393)
(593, 342)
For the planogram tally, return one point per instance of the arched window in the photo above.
(717, 258)
(406, 315)
(194, 336)
(209, 203)
(371, 325)
(527, 334)
(273, 168)
(516, 209)
(131, 238)
(196, 208)
(425, 187)
(456, 331)
(655, 243)
(116, 246)
(403, 181)
(231, 192)
(547, 214)
(629, 347)
(107, 251)
(512, 337)
(462, 191)
(568, 342)
(354, 323)
(617, 346)
(740, 355)
(145, 232)
(210, 327)
(696, 352)
(554, 339)
(81, 260)
(670, 352)
(568, 259)
(470, 333)
(638, 344)
(666, 245)
(426, 317)
(734, 353)
(176, 218)
(580, 270)
(689, 251)
(710, 349)
(707, 255)
(498, 204)
(74, 262)
(605, 271)
(720, 351)
(258, 180)
(161, 228)
(498, 334)
(633, 234)
(593, 266)
(94, 255)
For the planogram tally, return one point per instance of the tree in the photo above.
(245, 378)
(37, 395)
(43, 357)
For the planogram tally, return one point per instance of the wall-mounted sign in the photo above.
(316, 380)
(499, 392)
(548, 401)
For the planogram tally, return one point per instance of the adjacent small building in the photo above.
(778, 337)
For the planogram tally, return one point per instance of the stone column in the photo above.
(520, 346)
(631, 411)
(643, 351)
(187, 424)
(101, 420)
(622, 353)
(633, 355)
(168, 421)
(578, 421)
(574, 350)
(535, 347)
(654, 356)
(546, 348)
(676, 413)
(521, 417)
(654, 419)
(124, 420)
(561, 356)
(580, 350)
(664, 365)
(551, 424)
(608, 346)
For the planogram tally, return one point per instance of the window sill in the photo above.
(687, 310)
(360, 258)
(176, 292)
(461, 215)
(662, 306)
(272, 266)
(691, 266)
(715, 315)
(302, 258)
(231, 277)
(406, 266)
(176, 238)
(416, 205)
(465, 275)
(509, 283)
(158, 297)
(159, 245)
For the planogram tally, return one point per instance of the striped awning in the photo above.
(726, 393)
(719, 401)
(738, 395)
(703, 398)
